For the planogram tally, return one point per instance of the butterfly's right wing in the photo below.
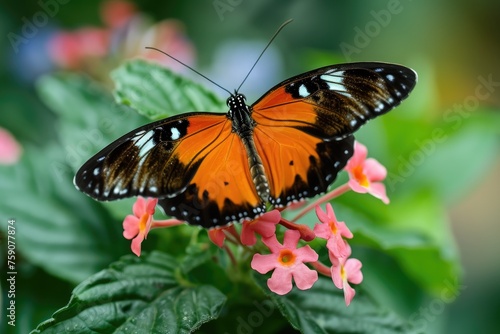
(305, 124)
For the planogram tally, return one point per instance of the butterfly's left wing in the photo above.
(194, 163)
(304, 124)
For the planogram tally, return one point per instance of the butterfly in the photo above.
(212, 169)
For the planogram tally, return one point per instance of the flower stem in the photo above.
(166, 223)
(325, 198)
(306, 233)
(321, 268)
(231, 255)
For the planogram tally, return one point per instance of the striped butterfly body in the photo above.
(212, 169)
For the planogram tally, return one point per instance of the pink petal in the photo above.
(336, 260)
(322, 216)
(306, 254)
(280, 281)
(330, 213)
(247, 235)
(139, 207)
(353, 270)
(130, 227)
(272, 243)
(337, 277)
(359, 156)
(149, 223)
(349, 293)
(264, 263)
(374, 170)
(150, 205)
(217, 236)
(355, 186)
(338, 247)
(136, 244)
(10, 150)
(304, 277)
(322, 230)
(378, 190)
(344, 230)
(291, 239)
(266, 224)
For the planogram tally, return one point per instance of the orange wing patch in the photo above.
(221, 189)
(297, 164)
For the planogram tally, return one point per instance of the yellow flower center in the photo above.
(143, 222)
(333, 227)
(286, 257)
(342, 272)
(360, 176)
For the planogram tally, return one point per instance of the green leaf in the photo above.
(136, 295)
(57, 228)
(156, 92)
(413, 229)
(322, 309)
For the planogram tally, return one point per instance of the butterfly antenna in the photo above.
(192, 69)
(269, 43)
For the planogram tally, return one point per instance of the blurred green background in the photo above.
(453, 45)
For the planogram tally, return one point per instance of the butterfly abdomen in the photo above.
(243, 125)
(257, 171)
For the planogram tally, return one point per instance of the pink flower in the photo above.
(137, 226)
(218, 234)
(265, 225)
(116, 13)
(288, 262)
(70, 49)
(364, 174)
(333, 231)
(169, 36)
(345, 272)
(10, 150)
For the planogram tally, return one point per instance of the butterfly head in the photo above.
(236, 101)
(236, 104)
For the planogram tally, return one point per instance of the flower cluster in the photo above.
(292, 260)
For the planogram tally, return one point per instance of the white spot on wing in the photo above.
(303, 91)
(379, 108)
(174, 133)
(144, 143)
(390, 77)
(335, 82)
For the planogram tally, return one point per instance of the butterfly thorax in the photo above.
(240, 115)
(243, 124)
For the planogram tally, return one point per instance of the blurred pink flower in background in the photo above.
(70, 49)
(10, 150)
(98, 50)
(116, 13)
